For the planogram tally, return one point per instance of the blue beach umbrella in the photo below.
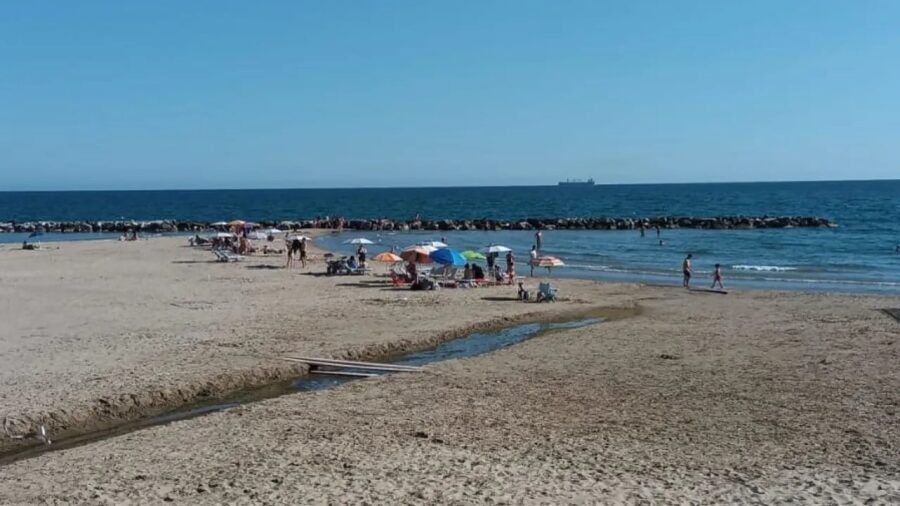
(447, 256)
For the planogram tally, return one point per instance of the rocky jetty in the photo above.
(663, 222)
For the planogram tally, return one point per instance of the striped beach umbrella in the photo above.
(549, 262)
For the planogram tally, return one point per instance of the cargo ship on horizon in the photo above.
(577, 182)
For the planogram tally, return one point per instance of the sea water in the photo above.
(858, 255)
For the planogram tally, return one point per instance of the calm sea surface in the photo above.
(859, 255)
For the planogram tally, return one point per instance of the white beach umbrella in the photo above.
(223, 235)
(258, 235)
(423, 247)
(219, 224)
(271, 231)
(299, 238)
(432, 244)
(496, 249)
(359, 240)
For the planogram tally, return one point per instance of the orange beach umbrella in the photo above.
(417, 254)
(387, 257)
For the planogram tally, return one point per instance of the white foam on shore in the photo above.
(769, 268)
(593, 267)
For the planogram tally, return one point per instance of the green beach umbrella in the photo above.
(473, 255)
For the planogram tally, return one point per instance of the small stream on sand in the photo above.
(470, 345)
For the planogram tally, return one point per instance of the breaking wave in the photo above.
(767, 268)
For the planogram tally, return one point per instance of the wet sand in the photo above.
(685, 396)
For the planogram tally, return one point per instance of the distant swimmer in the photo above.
(686, 269)
(717, 278)
(642, 229)
(657, 231)
(662, 243)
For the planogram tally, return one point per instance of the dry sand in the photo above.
(695, 397)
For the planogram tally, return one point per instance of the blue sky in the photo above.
(213, 94)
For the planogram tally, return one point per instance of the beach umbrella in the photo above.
(432, 244)
(387, 257)
(447, 256)
(271, 231)
(236, 223)
(219, 224)
(299, 238)
(359, 240)
(548, 262)
(417, 254)
(260, 236)
(472, 255)
(496, 249)
(223, 235)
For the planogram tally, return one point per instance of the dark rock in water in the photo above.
(590, 223)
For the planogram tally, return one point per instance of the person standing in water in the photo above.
(686, 269)
(539, 240)
(717, 278)
(642, 229)
(657, 231)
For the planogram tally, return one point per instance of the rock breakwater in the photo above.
(597, 223)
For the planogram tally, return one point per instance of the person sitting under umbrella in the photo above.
(477, 272)
(411, 272)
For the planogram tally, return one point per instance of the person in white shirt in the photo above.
(534, 256)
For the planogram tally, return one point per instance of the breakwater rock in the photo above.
(663, 222)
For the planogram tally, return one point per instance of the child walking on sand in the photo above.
(717, 277)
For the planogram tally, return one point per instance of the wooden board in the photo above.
(893, 312)
(345, 373)
(354, 365)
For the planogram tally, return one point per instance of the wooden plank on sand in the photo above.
(354, 365)
(893, 312)
(345, 373)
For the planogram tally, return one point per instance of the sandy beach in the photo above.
(679, 397)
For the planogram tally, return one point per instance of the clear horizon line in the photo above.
(264, 188)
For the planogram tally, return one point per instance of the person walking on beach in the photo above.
(303, 253)
(686, 269)
(717, 278)
(293, 251)
(539, 240)
(510, 267)
(534, 258)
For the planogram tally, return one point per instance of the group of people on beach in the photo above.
(296, 250)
